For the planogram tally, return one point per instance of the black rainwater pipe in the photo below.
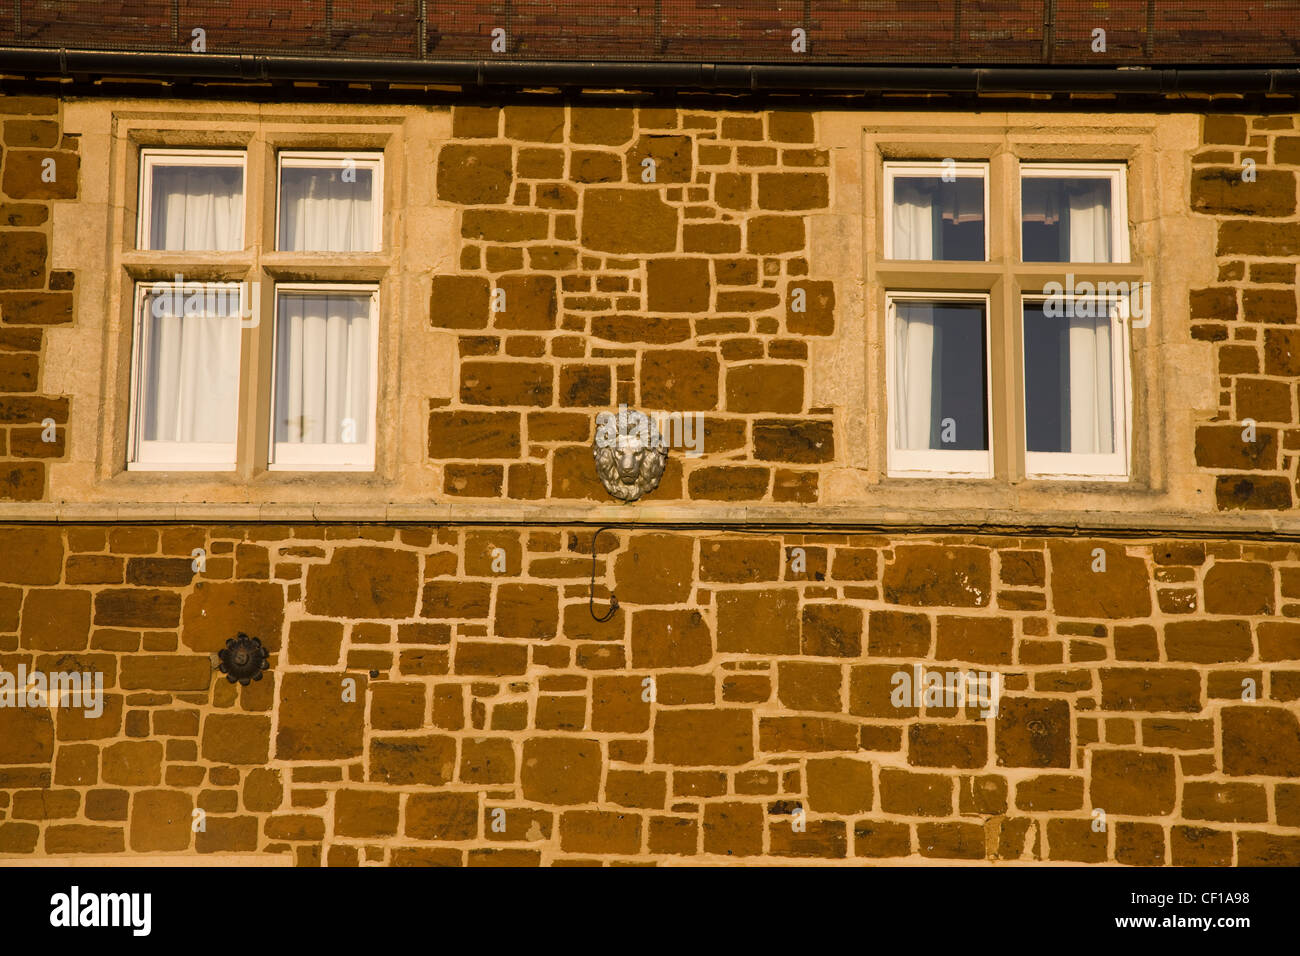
(729, 77)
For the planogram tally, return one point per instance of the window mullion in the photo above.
(1007, 425)
(252, 387)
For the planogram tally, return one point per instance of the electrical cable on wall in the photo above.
(591, 602)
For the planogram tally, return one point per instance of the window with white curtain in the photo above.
(329, 202)
(936, 211)
(191, 200)
(1076, 386)
(971, 322)
(325, 377)
(1073, 213)
(186, 376)
(938, 364)
(190, 394)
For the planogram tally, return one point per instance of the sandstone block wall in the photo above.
(40, 165)
(1245, 177)
(671, 294)
(495, 722)
(676, 294)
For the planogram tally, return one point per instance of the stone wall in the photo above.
(536, 279)
(1250, 312)
(678, 294)
(672, 294)
(741, 686)
(738, 706)
(40, 164)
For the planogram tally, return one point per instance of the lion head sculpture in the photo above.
(630, 453)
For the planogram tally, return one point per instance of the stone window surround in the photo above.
(261, 138)
(1006, 279)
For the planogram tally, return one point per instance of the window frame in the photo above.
(337, 456)
(1065, 466)
(149, 160)
(1119, 229)
(913, 167)
(936, 462)
(332, 159)
(145, 455)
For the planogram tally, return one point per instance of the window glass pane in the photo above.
(196, 207)
(1069, 392)
(327, 209)
(323, 368)
(941, 385)
(1065, 219)
(933, 219)
(189, 364)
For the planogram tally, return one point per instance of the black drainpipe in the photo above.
(739, 77)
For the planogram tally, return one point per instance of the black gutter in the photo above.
(738, 77)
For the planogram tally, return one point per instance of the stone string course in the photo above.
(484, 688)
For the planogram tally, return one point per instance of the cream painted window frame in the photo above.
(326, 456)
(937, 462)
(892, 168)
(332, 159)
(152, 157)
(1114, 466)
(1117, 173)
(1005, 147)
(260, 132)
(173, 456)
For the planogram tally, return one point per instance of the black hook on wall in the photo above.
(591, 602)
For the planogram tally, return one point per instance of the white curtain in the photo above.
(320, 212)
(197, 207)
(1089, 220)
(192, 379)
(918, 380)
(323, 368)
(1091, 389)
(914, 215)
(1092, 419)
